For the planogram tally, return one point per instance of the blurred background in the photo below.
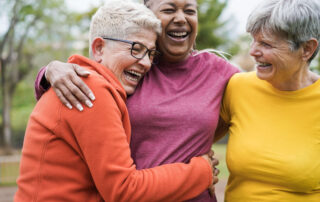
(33, 33)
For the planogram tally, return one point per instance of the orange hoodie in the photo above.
(85, 156)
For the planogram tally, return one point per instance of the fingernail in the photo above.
(91, 96)
(79, 107)
(86, 72)
(69, 106)
(88, 103)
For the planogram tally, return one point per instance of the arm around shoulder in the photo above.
(107, 153)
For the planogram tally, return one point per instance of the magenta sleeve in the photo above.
(41, 85)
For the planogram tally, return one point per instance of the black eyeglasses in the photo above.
(138, 50)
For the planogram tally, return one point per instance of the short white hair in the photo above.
(120, 19)
(297, 20)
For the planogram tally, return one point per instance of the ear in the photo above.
(309, 48)
(97, 48)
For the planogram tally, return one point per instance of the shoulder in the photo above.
(103, 83)
(216, 63)
(243, 77)
(242, 80)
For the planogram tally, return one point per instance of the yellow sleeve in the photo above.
(226, 101)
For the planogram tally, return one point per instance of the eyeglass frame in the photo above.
(156, 53)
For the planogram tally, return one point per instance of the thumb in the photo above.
(81, 71)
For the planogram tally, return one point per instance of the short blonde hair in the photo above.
(120, 18)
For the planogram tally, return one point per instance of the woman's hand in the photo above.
(66, 83)
(215, 171)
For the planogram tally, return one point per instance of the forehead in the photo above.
(275, 39)
(145, 36)
(269, 35)
(158, 3)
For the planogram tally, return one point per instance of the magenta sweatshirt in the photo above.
(175, 110)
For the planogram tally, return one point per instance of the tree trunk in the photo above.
(6, 104)
(6, 118)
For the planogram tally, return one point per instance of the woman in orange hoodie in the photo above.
(85, 156)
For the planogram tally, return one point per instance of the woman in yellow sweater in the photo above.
(274, 114)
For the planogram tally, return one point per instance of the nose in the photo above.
(254, 50)
(180, 17)
(145, 62)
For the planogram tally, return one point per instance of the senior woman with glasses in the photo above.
(85, 156)
(274, 113)
(175, 108)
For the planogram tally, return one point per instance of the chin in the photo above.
(129, 90)
(264, 76)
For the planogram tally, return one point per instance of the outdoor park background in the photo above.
(33, 33)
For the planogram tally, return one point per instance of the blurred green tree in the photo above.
(211, 33)
(31, 25)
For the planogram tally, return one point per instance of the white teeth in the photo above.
(263, 64)
(178, 34)
(135, 73)
(137, 76)
(131, 78)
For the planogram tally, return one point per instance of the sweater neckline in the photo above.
(181, 65)
(301, 91)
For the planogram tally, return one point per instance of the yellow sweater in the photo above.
(273, 152)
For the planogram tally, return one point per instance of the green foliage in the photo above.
(210, 31)
(315, 66)
(47, 31)
(9, 173)
(22, 104)
(38, 32)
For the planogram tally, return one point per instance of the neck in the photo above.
(297, 81)
(174, 58)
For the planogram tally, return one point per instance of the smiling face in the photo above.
(179, 22)
(276, 62)
(117, 57)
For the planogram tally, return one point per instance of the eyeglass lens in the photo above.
(139, 51)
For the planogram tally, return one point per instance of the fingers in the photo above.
(216, 172)
(80, 71)
(67, 95)
(68, 86)
(212, 190)
(211, 153)
(62, 98)
(81, 90)
(215, 180)
(215, 162)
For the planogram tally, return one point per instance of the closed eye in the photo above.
(168, 10)
(190, 11)
(266, 45)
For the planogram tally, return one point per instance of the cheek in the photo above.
(195, 22)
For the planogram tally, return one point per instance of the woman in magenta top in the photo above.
(183, 92)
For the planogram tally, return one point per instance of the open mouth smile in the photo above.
(178, 36)
(132, 75)
(263, 65)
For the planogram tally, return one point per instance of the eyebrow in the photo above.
(187, 5)
(153, 47)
